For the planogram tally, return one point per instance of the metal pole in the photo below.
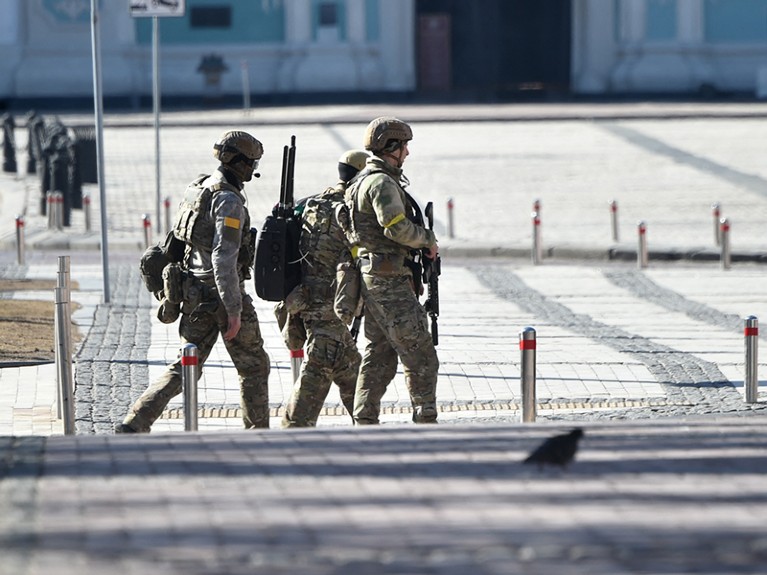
(87, 211)
(527, 349)
(189, 374)
(751, 335)
(716, 210)
(58, 200)
(614, 219)
(156, 107)
(450, 205)
(20, 242)
(245, 86)
(64, 360)
(147, 223)
(642, 255)
(537, 247)
(725, 258)
(166, 205)
(98, 105)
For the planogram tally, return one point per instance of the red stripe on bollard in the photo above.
(189, 360)
(754, 331)
(526, 344)
(296, 353)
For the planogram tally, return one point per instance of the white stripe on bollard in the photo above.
(527, 347)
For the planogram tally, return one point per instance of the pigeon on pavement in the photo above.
(558, 450)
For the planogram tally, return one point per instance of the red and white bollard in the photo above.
(751, 336)
(190, 373)
(716, 210)
(450, 218)
(87, 211)
(296, 359)
(166, 205)
(537, 242)
(725, 258)
(614, 219)
(147, 222)
(642, 254)
(527, 347)
(20, 242)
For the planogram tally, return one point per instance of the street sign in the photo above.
(148, 8)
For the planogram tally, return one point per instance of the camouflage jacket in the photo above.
(379, 207)
(218, 266)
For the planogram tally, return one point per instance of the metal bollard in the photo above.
(166, 205)
(642, 255)
(751, 336)
(716, 210)
(614, 219)
(189, 375)
(87, 211)
(245, 86)
(296, 359)
(147, 229)
(537, 243)
(63, 340)
(450, 218)
(725, 258)
(527, 348)
(20, 242)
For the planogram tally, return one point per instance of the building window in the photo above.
(210, 17)
(328, 14)
(660, 23)
(736, 21)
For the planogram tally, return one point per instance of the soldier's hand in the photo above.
(432, 252)
(233, 327)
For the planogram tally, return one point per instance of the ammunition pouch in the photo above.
(198, 297)
(347, 302)
(173, 277)
(291, 327)
(168, 312)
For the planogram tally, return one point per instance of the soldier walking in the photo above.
(215, 226)
(387, 227)
(331, 352)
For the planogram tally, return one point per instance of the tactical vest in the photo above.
(194, 224)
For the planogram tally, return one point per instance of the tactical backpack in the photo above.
(156, 258)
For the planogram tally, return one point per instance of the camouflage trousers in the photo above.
(331, 356)
(395, 326)
(202, 328)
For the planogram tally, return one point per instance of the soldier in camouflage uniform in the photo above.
(215, 224)
(389, 236)
(331, 352)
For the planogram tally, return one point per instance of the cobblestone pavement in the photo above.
(686, 496)
(650, 362)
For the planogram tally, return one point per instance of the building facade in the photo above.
(478, 49)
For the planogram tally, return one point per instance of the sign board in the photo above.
(148, 8)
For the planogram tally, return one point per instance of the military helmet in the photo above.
(235, 146)
(381, 130)
(354, 158)
(350, 163)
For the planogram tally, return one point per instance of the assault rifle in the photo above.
(431, 272)
(277, 268)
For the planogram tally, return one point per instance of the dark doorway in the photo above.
(498, 49)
